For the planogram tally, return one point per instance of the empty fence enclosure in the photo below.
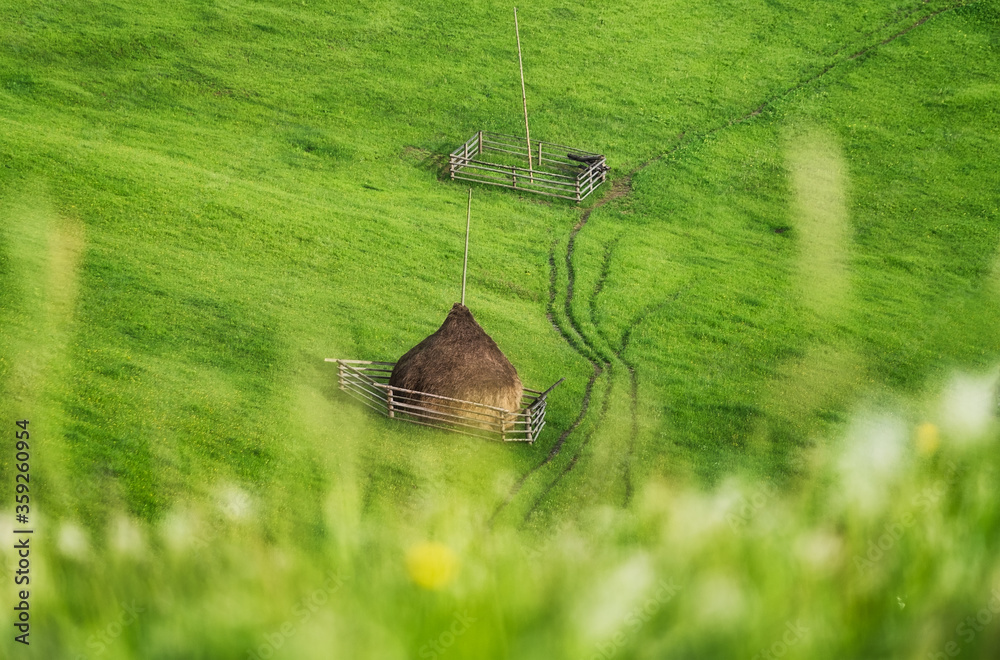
(502, 160)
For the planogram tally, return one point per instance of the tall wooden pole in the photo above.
(465, 265)
(524, 97)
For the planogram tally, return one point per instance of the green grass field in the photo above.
(778, 324)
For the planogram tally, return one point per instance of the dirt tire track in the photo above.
(583, 444)
(587, 351)
(681, 144)
(609, 250)
(622, 188)
(620, 353)
(897, 17)
(577, 344)
(554, 451)
(619, 189)
(911, 27)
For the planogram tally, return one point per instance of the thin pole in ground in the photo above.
(524, 98)
(465, 265)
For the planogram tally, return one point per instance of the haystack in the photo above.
(462, 362)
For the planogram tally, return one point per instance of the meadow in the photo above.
(777, 322)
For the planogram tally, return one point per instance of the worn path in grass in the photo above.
(592, 342)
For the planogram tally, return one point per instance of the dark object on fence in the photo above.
(368, 382)
(503, 160)
(589, 160)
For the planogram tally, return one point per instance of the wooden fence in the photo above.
(502, 160)
(369, 383)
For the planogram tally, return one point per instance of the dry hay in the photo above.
(460, 361)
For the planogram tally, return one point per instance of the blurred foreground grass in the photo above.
(888, 548)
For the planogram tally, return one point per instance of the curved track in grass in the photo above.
(598, 350)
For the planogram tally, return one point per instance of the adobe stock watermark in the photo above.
(748, 507)
(99, 643)
(301, 613)
(794, 633)
(637, 618)
(460, 624)
(893, 532)
(969, 628)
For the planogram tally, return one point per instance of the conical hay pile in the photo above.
(460, 361)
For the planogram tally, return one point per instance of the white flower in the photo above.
(605, 609)
(235, 503)
(871, 459)
(127, 537)
(179, 532)
(968, 405)
(72, 541)
(820, 550)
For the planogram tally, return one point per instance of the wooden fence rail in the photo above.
(368, 382)
(481, 159)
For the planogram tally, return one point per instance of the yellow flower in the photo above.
(928, 438)
(431, 565)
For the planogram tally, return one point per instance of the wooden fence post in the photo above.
(389, 403)
(524, 98)
(465, 263)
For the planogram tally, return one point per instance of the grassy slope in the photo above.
(245, 191)
(735, 368)
(227, 193)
